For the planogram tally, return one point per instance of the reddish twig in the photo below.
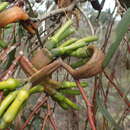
(49, 116)
(1, 96)
(118, 90)
(5, 52)
(45, 120)
(53, 123)
(88, 104)
(96, 84)
(123, 115)
(36, 108)
(96, 89)
(11, 69)
(107, 91)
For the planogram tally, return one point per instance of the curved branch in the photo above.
(60, 11)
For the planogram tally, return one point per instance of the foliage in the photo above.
(51, 67)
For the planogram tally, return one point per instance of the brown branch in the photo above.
(45, 71)
(26, 65)
(60, 11)
(91, 68)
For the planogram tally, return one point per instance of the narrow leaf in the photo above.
(121, 29)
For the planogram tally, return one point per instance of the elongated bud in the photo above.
(59, 35)
(7, 101)
(10, 84)
(12, 111)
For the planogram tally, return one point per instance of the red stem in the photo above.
(96, 87)
(1, 96)
(32, 113)
(118, 90)
(107, 91)
(5, 52)
(45, 120)
(48, 116)
(53, 123)
(11, 68)
(88, 104)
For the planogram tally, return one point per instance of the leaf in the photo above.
(106, 114)
(121, 29)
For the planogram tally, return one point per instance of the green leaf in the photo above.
(121, 29)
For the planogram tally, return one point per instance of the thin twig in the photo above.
(36, 108)
(11, 69)
(60, 11)
(118, 90)
(88, 104)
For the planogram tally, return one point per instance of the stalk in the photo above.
(68, 49)
(56, 38)
(65, 84)
(64, 88)
(68, 42)
(59, 97)
(3, 44)
(62, 101)
(7, 101)
(3, 5)
(10, 84)
(69, 92)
